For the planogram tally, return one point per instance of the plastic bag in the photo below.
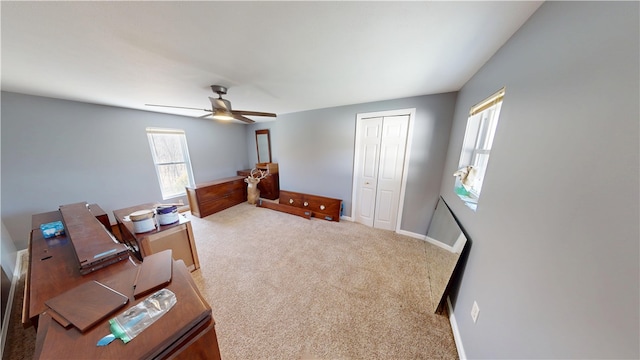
(133, 321)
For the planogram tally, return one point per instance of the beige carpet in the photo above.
(283, 287)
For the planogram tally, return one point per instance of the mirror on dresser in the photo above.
(446, 234)
(263, 146)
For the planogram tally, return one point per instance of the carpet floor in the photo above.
(284, 287)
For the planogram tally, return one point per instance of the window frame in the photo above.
(186, 160)
(482, 125)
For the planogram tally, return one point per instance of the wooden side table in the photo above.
(177, 236)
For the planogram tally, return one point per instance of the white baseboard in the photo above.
(456, 248)
(439, 244)
(411, 234)
(456, 333)
(7, 314)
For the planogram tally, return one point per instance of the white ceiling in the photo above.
(276, 57)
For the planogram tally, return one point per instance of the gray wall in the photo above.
(554, 262)
(58, 152)
(314, 151)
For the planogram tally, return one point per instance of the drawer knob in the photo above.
(321, 207)
(290, 201)
(306, 203)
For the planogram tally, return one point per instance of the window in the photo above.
(171, 159)
(476, 148)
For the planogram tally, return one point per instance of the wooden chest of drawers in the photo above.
(211, 197)
(320, 206)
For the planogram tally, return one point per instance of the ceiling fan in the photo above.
(221, 108)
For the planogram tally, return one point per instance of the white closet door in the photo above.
(379, 169)
(370, 132)
(392, 150)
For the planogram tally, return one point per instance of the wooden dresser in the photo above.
(211, 197)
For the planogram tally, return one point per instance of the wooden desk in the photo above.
(54, 269)
(185, 331)
(178, 237)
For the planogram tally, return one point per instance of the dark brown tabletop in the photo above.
(189, 318)
(54, 269)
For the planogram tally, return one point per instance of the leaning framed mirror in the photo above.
(450, 240)
(263, 146)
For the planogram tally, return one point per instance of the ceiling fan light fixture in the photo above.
(221, 108)
(221, 114)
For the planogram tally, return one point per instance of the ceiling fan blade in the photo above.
(253, 113)
(177, 107)
(242, 118)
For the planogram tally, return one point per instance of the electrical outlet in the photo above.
(475, 310)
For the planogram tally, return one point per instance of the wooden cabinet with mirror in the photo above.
(270, 185)
(263, 145)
